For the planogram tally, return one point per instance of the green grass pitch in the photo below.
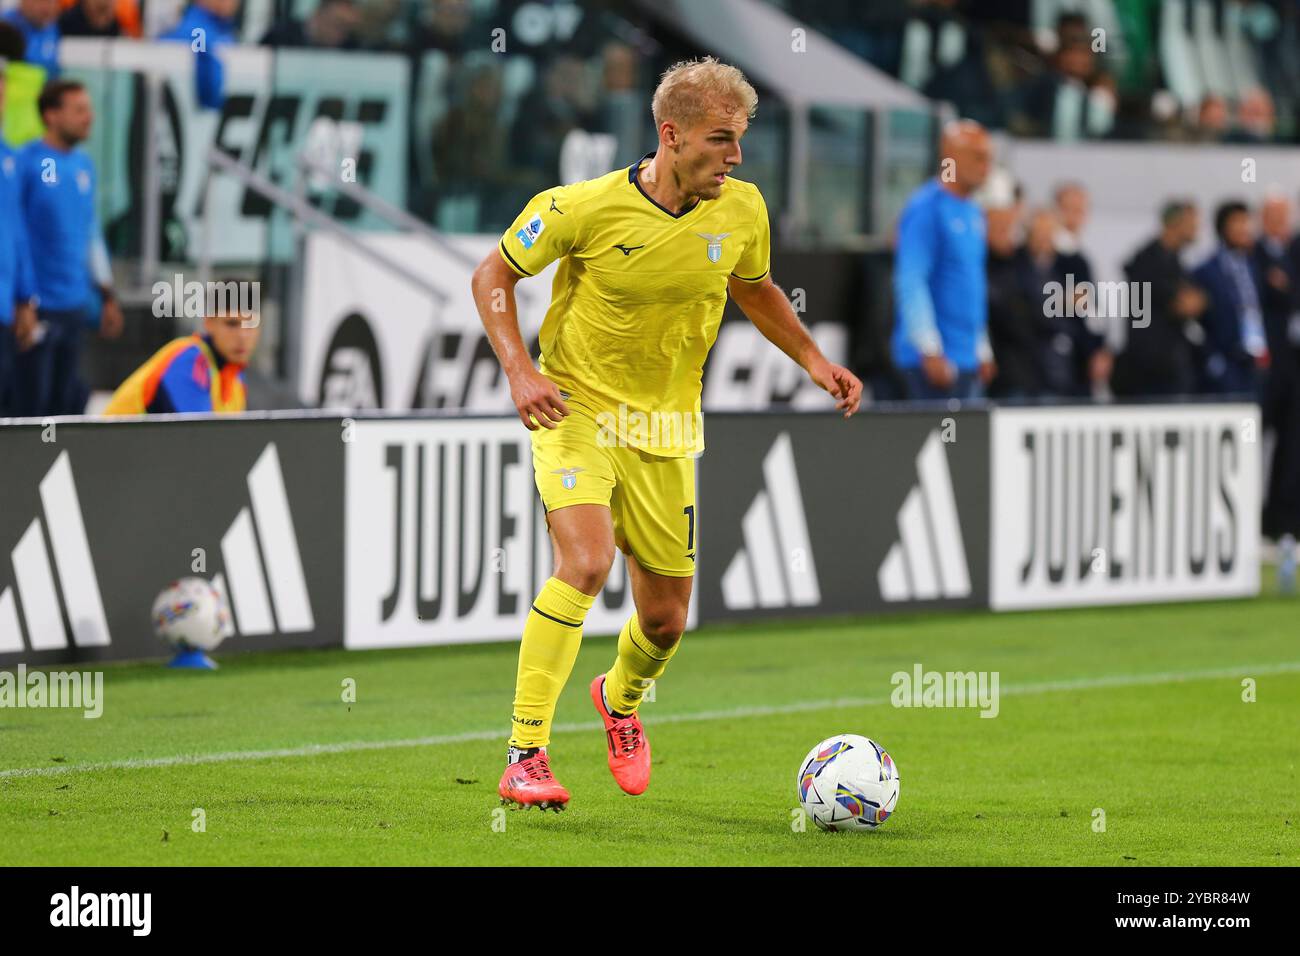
(1136, 711)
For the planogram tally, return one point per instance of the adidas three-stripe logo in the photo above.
(244, 581)
(264, 530)
(774, 567)
(929, 558)
(34, 575)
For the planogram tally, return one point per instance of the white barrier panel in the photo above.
(373, 340)
(445, 537)
(1127, 504)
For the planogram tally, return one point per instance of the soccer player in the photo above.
(195, 373)
(648, 255)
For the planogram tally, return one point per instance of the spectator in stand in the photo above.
(382, 26)
(1073, 99)
(125, 12)
(622, 109)
(445, 25)
(940, 343)
(1281, 300)
(205, 26)
(938, 31)
(69, 259)
(1211, 120)
(1235, 350)
(1256, 119)
(90, 18)
(39, 22)
(332, 25)
(1072, 208)
(1159, 357)
(561, 103)
(469, 145)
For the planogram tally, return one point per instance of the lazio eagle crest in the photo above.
(568, 477)
(715, 244)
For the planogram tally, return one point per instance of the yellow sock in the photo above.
(552, 635)
(639, 662)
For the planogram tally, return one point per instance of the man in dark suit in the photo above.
(1159, 357)
(1276, 258)
(1064, 342)
(1236, 349)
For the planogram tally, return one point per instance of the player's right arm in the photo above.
(544, 231)
(536, 397)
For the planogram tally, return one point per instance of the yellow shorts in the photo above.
(651, 499)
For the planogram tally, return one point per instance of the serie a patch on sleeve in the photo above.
(532, 229)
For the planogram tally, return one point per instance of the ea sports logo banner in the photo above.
(371, 339)
(1113, 505)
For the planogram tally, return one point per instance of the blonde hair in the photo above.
(691, 89)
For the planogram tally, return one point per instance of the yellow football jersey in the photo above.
(637, 298)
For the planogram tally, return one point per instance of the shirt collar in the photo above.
(635, 181)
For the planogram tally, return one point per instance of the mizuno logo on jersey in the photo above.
(628, 250)
(554, 208)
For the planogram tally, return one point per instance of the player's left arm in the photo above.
(770, 310)
(767, 307)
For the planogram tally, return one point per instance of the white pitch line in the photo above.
(313, 750)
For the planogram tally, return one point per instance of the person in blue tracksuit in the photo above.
(69, 259)
(207, 25)
(17, 281)
(940, 341)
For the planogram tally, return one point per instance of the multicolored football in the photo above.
(848, 782)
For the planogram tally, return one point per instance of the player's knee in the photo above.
(663, 626)
(586, 569)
